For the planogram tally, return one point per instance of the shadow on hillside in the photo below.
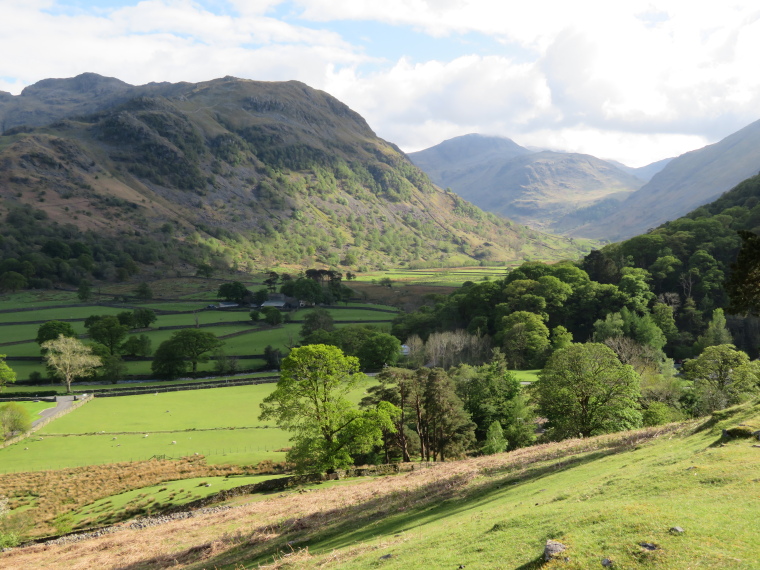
(385, 516)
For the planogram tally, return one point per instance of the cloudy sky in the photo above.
(636, 81)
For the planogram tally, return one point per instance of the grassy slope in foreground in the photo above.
(600, 496)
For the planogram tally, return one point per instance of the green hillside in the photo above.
(230, 173)
(617, 497)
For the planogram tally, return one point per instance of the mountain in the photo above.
(236, 173)
(644, 173)
(453, 158)
(534, 188)
(686, 182)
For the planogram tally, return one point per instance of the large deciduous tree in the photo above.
(234, 291)
(185, 347)
(108, 331)
(310, 402)
(51, 330)
(69, 358)
(585, 390)
(722, 376)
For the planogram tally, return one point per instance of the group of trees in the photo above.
(110, 343)
(428, 413)
(37, 253)
(183, 351)
(373, 347)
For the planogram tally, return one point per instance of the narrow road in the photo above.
(62, 403)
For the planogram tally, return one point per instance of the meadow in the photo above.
(218, 423)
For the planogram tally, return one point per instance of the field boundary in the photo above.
(77, 404)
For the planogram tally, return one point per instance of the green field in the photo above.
(256, 337)
(34, 408)
(220, 423)
(443, 276)
(526, 375)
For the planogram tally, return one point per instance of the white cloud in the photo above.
(627, 80)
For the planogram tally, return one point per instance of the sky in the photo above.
(635, 81)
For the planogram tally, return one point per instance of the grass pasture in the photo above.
(219, 423)
(244, 336)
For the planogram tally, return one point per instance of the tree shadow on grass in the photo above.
(385, 516)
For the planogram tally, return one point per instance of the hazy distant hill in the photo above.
(534, 188)
(257, 173)
(645, 173)
(686, 182)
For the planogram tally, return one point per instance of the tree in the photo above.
(12, 281)
(380, 349)
(584, 390)
(272, 315)
(722, 376)
(234, 291)
(108, 331)
(303, 289)
(168, 362)
(51, 330)
(260, 297)
(126, 318)
(397, 386)
(7, 375)
(84, 292)
(716, 333)
(495, 442)
(144, 292)
(743, 286)
(112, 367)
(14, 418)
(137, 346)
(189, 345)
(493, 393)
(69, 358)
(143, 317)
(449, 431)
(273, 356)
(317, 319)
(310, 402)
(525, 339)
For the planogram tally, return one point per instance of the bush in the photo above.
(14, 418)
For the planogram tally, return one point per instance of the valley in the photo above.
(288, 346)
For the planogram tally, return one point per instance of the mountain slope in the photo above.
(534, 188)
(256, 174)
(687, 182)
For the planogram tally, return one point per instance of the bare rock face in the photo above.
(553, 549)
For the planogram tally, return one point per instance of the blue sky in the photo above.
(635, 81)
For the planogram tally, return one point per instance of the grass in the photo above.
(446, 276)
(34, 408)
(602, 497)
(526, 375)
(220, 423)
(154, 498)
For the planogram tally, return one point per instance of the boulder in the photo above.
(553, 549)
